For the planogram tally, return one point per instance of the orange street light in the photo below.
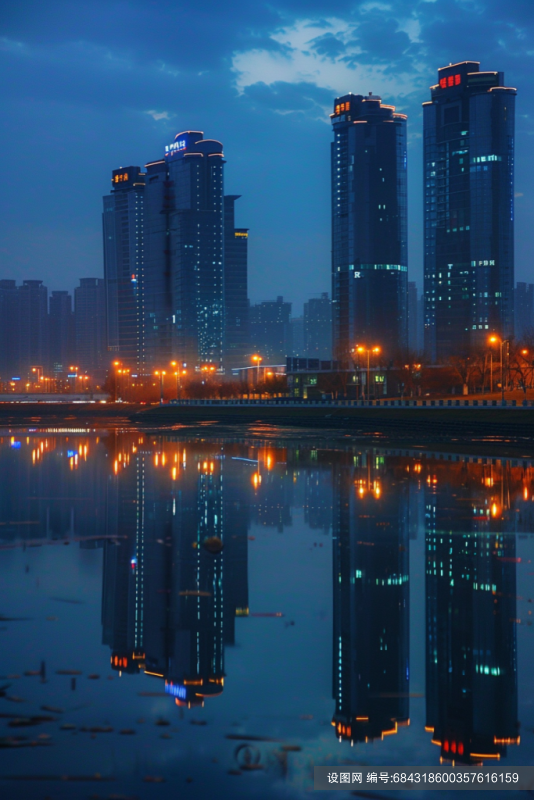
(257, 360)
(361, 349)
(501, 342)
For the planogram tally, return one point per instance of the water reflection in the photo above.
(176, 521)
(471, 663)
(174, 585)
(371, 670)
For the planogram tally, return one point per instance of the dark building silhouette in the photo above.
(469, 209)
(61, 333)
(270, 330)
(318, 328)
(123, 230)
(90, 326)
(297, 346)
(369, 225)
(9, 324)
(370, 680)
(471, 659)
(236, 336)
(32, 329)
(524, 309)
(413, 317)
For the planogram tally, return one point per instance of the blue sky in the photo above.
(90, 86)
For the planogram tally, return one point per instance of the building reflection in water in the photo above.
(471, 663)
(371, 598)
(173, 520)
(173, 588)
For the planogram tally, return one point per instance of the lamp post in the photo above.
(257, 359)
(117, 364)
(368, 350)
(161, 374)
(501, 342)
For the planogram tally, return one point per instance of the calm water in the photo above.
(212, 618)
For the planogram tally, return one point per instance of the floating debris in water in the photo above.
(154, 779)
(26, 722)
(53, 709)
(51, 618)
(127, 732)
(162, 722)
(267, 614)
(197, 722)
(94, 677)
(67, 726)
(13, 698)
(97, 729)
(32, 673)
(70, 600)
(213, 544)
(67, 672)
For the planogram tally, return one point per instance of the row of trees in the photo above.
(478, 371)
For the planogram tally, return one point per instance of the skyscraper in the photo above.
(90, 326)
(413, 316)
(61, 332)
(524, 309)
(185, 252)
(469, 209)
(175, 264)
(236, 339)
(369, 233)
(123, 229)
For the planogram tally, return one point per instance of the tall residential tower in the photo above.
(369, 226)
(469, 209)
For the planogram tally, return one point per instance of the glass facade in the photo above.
(469, 209)
(369, 226)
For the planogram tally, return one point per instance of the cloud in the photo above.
(285, 97)
(157, 115)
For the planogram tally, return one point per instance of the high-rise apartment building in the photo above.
(185, 252)
(32, 330)
(524, 309)
(270, 330)
(469, 209)
(61, 333)
(175, 264)
(413, 317)
(9, 323)
(369, 225)
(123, 230)
(318, 327)
(90, 326)
(236, 338)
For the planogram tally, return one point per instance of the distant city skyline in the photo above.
(91, 88)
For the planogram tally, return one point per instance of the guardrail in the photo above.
(300, 403)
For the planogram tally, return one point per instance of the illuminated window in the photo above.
(443, 83)
(450, 80)
(457, 80)
(337, 109)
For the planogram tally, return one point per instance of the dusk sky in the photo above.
(91, 86)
